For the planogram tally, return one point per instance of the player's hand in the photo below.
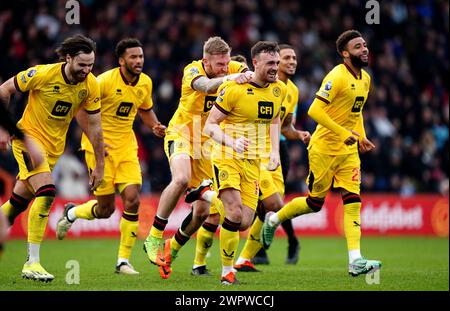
(352, 138)
(304, 136)
(241, 144)
(34, 151)
(365, 145)
(243, 77)
(274, 161)
(4, 140)
(96, 178)
(159, 130)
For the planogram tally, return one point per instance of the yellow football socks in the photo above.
(128, 233)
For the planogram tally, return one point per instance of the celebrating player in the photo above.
(125, 91)
(56, 93)
(333, 149)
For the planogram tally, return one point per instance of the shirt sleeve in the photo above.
(236, 67)
(329, 88)
(191, 72)
(148, 101)
(224, 101)
(92, 103)
(29, 79)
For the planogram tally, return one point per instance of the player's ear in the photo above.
(345, 53)
(68, 59)
(121, 61)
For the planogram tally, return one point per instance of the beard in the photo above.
(77, 75)
(131, 71)
(357, 62)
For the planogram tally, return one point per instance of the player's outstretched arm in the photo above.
(151, 121)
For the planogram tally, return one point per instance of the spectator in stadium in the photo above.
(333, 150)
(56, 92)
(124, 92)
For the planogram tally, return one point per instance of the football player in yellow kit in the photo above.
(333, 149)
(125, 91)
(188, 157)
(56, 93)
(245, 122)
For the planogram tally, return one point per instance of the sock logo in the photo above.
(42, 216)
(231, 255)
(207, 244)
(355, 224)
(133, 235)
(252, 238)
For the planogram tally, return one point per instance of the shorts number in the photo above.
(355, 176)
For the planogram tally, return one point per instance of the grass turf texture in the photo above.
(409, 263)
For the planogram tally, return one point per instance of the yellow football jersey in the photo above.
(250, 110)
(120, 102)
(290, 102)
(345, 95)
(53, 102)
(194, 106)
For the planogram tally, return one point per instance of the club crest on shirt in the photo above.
(276, 91)
(82, 94)
(140, 93)
(223, 175)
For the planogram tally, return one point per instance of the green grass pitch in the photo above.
(409, 264)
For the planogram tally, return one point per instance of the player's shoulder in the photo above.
(338, 71)
(365, 75)
(45, 69)
(193, 70)
(91, 80)
(194, 66)
(145, 78)
(108, 74)
(283, 86)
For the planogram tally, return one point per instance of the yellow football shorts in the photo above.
(175, 143)
(341, 171)
(270, 182)
(239, 174)
(120, 170)
(26, 167)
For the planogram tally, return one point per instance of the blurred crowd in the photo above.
(406, 115)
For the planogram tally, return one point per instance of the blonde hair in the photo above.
(216, 46)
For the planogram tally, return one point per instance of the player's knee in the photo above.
(213, 219)
(234, 213)
(245, 224)
(181, 182)
(104, 210)
(315, 203)
(132, 204)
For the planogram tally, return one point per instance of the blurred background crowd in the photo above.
(406, 115)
